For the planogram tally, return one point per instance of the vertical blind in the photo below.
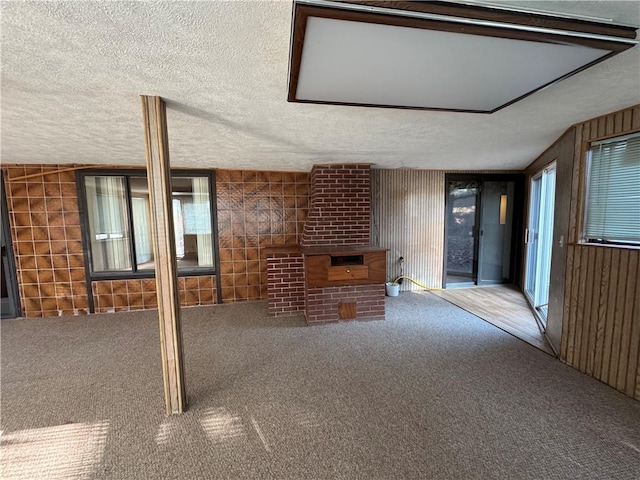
(613, 191)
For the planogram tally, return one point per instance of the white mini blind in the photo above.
(613, 191)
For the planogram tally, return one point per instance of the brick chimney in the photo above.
(340, 206)
(334, 274)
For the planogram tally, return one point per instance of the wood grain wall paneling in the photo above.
(602, 298)
(408, 218)
(566, 306)
(601, 302)
(633, 368)
(610, 314)
(602, 338)
(635, 118)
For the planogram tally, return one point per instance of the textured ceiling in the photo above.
(72, 73)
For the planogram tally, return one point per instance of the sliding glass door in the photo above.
(494, 243)
(462, 231)
(9, 303)
(480, 226)
(539, 238)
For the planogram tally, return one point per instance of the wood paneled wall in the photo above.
(612, 125)
(408, 218)
(601, 301)
(601, 331)
(562, 153)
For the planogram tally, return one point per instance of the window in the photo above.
(612, 209)
(118, 222)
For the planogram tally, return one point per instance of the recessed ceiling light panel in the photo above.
(374, 58)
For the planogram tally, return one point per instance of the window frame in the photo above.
(587, 169)
(134, 273)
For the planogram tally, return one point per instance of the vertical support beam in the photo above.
(154, 116)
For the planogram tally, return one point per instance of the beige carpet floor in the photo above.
(431, 392)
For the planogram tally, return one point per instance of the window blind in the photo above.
(613, 191)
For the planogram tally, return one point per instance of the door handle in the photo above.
(3, 250)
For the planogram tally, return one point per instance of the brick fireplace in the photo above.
(334, 274)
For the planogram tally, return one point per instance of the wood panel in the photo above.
(597, 293)
(603, 334)
(347, 310)
(154, 116)
(603, 296)
(603, 324)
(355, 272)
(607, 341)
(408, 217)
(320, 273)
(634, 348)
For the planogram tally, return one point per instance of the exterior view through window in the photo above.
(119, 223)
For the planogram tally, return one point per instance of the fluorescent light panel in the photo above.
(343, 61)
(366, 63)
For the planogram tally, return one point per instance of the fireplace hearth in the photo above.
(334, 274)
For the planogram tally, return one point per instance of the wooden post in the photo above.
(154, 115)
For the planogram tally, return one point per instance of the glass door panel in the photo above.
(532, 236)
(462, 231)
(545, 243)
(494, 259)
(7, 305)
(9, 287)
(539, 240)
